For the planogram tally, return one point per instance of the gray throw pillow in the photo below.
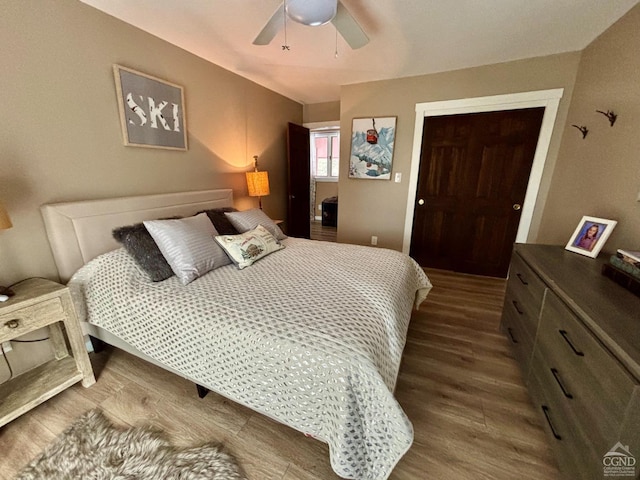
(145, 252)
(188, 245)
(250, 219)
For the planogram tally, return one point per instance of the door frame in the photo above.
(327, 125)
(550, 99)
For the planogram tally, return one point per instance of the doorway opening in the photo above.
(548, 99)
(324, 157)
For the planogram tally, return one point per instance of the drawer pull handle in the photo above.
(13, 323)
(522, 280)
(556, 375)
(515, 304)
(510, 332)
(545, 410)
(566, 339)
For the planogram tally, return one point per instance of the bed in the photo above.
(311, 335)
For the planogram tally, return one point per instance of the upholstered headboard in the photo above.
(80, 231)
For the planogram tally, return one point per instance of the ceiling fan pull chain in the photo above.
(336, 53)
(286, 44)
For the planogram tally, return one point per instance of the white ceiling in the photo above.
(408, 37)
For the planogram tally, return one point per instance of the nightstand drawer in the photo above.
(24, 320)
(590, 381)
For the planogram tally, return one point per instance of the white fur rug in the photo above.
(94, 449)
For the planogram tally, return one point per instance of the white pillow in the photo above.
(250, 219)
(188, 245)
(249, 247)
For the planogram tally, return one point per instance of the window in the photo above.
(325, 154)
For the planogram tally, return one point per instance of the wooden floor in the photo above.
(327, 234)
(458, 384)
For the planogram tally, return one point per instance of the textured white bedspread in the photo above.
(311, 335)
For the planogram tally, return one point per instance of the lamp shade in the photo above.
(258, 184)
(313, 13)
(5, 221)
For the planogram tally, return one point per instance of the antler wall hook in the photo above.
(612, 117)
(583, 129)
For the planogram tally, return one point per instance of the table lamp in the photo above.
(258, 182)
(5, 223)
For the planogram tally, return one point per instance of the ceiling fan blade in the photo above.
(271, 29)
(349, 28)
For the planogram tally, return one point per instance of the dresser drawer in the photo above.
(589, 380)
(519, 339)
(525, 292)
(572, 446)
(24, 320)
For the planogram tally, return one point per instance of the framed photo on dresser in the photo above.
(590, 236)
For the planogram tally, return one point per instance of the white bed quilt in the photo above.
(311, 336)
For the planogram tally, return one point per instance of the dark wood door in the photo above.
(298, 217)
(474, 171)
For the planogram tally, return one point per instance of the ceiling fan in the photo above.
(314, 13)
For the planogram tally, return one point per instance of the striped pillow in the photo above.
(188, 245)
(250, 219)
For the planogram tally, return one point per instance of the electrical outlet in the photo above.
(6, 347)
(374, 240)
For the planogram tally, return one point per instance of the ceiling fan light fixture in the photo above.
(311, 13)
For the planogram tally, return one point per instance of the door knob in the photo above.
(517, 206)
(421, 202)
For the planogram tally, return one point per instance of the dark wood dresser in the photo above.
(576, 335)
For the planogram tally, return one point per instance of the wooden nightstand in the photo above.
(41, 303)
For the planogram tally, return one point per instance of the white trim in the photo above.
(326, 179)
(550, 99)
(322, 125)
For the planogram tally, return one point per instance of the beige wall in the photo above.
(321, 112)
(600, 175)
(370, 207)
(61, 137)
